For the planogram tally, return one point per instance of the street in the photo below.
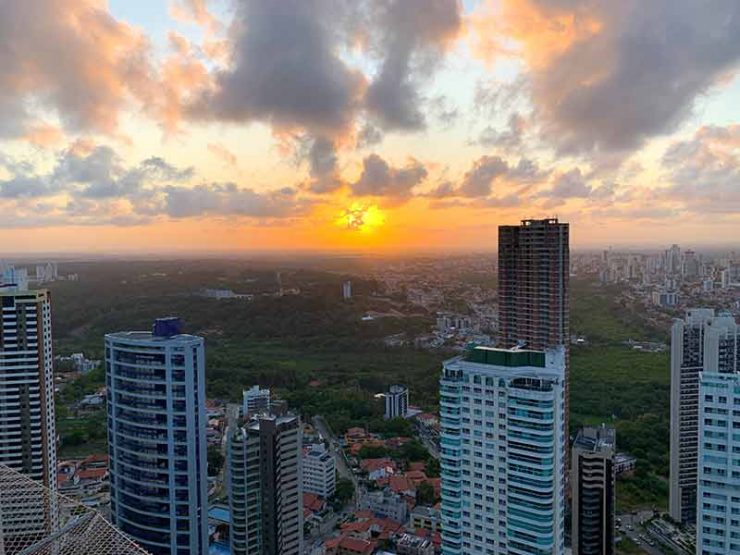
(344, 470)
(635, 522)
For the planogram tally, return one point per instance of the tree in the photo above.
(432, 468)
(215, 460)
(425, 494)
(345, 491)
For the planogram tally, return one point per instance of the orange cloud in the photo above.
(521, 27)
(44, 135)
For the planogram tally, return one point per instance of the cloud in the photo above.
(412, 37)
(571, 184)
(285, 69)
(607, 75)
(322, 158)
(478, 181)
(72, 57)
(380, 179)
(511, 138)
(369, 135)
(223, 153)
(704, 172)
(227, 199)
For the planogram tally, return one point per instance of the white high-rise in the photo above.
(27, 431)
(255, 400)
(27, 426)
(157, 438)
(700, 342)
(718, 494)
(502, 420)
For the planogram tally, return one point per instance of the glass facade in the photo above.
(502, 449)
(157, 444)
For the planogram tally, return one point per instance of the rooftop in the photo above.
(595, 438)
(515, 357)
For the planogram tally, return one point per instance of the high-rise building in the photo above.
(157, 438)
(255, 399)
(265, 484)
(502, 447)
(592, 483)
(396, 402)
(27, 425)
(27, 431)
(319, 471)
(346, 290)
(533, 287)
(718, 508)
(702, 340)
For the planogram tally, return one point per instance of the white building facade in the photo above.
(27, 420)
(157, 438)
(396, 402)
(718, 495)
(255, 400)
(503, 445)
(319, 471)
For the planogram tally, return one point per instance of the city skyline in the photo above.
(391, 129)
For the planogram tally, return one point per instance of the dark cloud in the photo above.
(227, 199)
(412, 37)
(369, 135)
(571, 184)
(478, 181)
(637, 74)
(380, 179)
(322, 158)
(25, 187)
(285, 68)
(510, 138)
(100, 173)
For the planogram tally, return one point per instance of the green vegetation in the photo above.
(425, 494)
(315, 351)
(83, 435)
(627, 389)
(215, 460)
(627, 547)
(344, 492)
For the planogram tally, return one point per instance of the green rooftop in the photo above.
(506, 357)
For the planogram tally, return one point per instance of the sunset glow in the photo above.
(171, 125)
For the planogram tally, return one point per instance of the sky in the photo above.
(365, 125)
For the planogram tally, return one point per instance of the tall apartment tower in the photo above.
(592, 497)
(396, 402)
(702, 341)
(502, 447)
(157, 438)
(718, 508)
(27, 429)
(265, 484)
(533, 287)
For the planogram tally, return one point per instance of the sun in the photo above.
(361, 218)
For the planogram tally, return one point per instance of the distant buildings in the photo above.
(699, 342)
(319, 471)
(255, 400)
(27, 419)
(396, 402)
(157, 438)
(264, 483)
(503, 452)
(347, 290)
(593, 485)
(718, 518)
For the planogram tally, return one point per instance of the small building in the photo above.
(385, 503)
(319, 471)
(396, 402)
